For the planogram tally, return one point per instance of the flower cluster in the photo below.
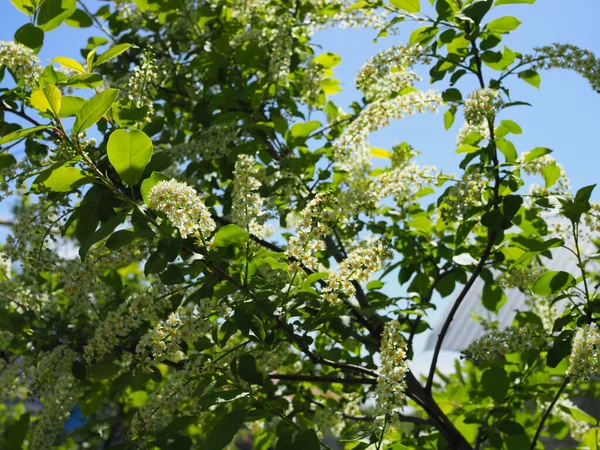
(481, 105)
(386, 72)
(391, 385)
(585, 352)
(187, 324)
(482, 129)
(592, 218)
(141, 83)
(21, 61)
(520, 277)
(545, 310)
(160, 408)
(577, 428)
(54, 383)
(464, 195)
(130, 314)
(247, 204)
(566, 56)
(308, 241)
(404, 182)
(209, 143)
(351, 150)
(502, 342)
(359, 266)
(184, 208)
(539, 166)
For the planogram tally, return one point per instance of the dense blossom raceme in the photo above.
(545, 310)
(509, 340)
(184, 208)
(164, 403)
(21, 61)
(187, 324)
(208, 144)
(119, 323)
(359, 266)
(520, 277)
(386, 72)
(247, 209)
(54, 383)
(390, 395)
(577, 428)
(566, 56)
(403, 182)
(352, 151)
(481, 105)
(585, 352)
(308, 240)
(141, 83)
(464, 195)
(542, 166)
(592, 218)
(467, 130)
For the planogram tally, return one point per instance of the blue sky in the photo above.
(564, 116)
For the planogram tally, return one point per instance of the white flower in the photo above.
(21, 61)
(502, 342)
(390, 394)
(247, 204)
(482, 104)
(585, 352)
(184, 208)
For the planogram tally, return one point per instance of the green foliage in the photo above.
(129, 152)
(185, 323)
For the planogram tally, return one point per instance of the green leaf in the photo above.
(229, 235)
(46, 99)
(513, 127)
(149, 183)
(411, 6)
(17, 432)
(248, 369)
(129, 152)
(508, 149)
(79, 19)
(94, 109)
(53, 12)
(510, 2)
(224, 430)
(303, 130)
(25, 6)
(531, 77)
(120, 239)
(16, 135)
(421, 223)
(111, 53)
(69, 63)
(449, 117)
(495, 383)
(257, 327)
(536, 153)
(63, 179)
(550, 283)
(30, 35)
(551, 174)
(467, 149)
(423, 35)
(503, 24)
(327, 60)
(298, 440)
(85, 80)
(70, 105)
(101, 233)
